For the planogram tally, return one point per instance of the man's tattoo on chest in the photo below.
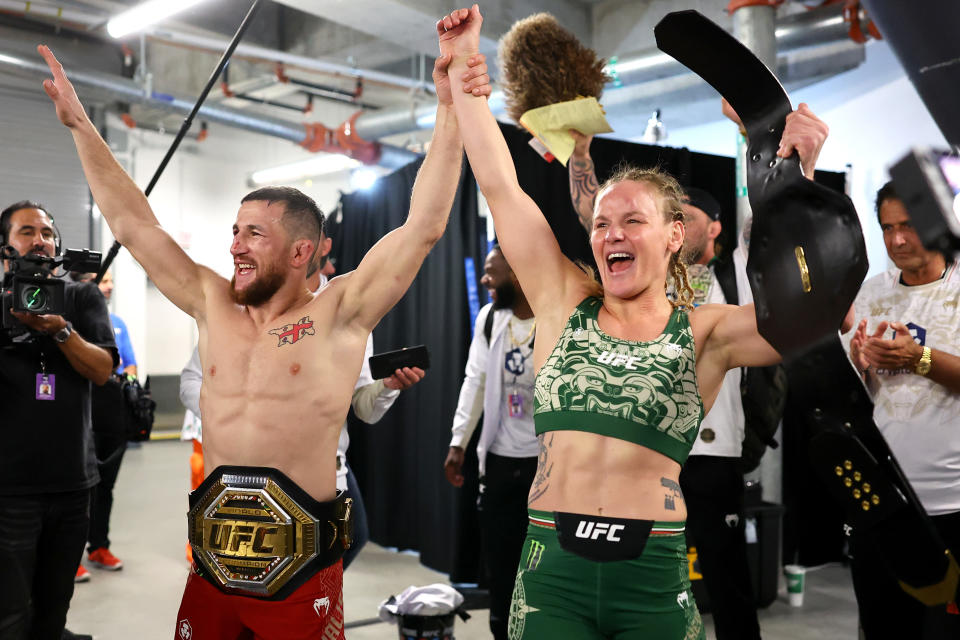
(673, 492)
(290, 333)
(544, 467)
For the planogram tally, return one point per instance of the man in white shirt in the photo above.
(907, 332)
(499, 383)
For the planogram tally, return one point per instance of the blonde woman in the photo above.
(624, 379)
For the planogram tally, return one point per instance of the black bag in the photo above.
(140, 407)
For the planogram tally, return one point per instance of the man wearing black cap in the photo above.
(702, 224)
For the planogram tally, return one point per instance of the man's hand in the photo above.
(452, 466)
(404, 378)
(69, 110)
(475, 78)
(856, 346)
(581, 143)
(459, 32)
(805, 133)
(902, 352)
(48, 324)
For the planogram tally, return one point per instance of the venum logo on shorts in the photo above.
(184, 630)
(593, 530)
(683, 599)
(321, 603)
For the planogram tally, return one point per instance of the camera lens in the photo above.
(33, 298)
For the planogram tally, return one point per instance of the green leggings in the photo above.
(561, 595)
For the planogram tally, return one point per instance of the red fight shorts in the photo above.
(313, 611)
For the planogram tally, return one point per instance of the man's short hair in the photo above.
(886, 192)
(302, 218)
(7, 213)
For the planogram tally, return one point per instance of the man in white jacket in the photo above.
(499, 383)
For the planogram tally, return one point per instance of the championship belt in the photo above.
(254, 532)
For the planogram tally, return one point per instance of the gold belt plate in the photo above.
(250, 535)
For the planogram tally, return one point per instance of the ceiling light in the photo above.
(296, 171)
(146, 14)
(363, 178)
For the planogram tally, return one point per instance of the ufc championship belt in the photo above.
(807, 260)
(255, 532)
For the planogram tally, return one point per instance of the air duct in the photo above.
(121, 89)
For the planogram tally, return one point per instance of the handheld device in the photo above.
(382, 365)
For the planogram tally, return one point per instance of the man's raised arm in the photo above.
(122, 203)
(390, 266)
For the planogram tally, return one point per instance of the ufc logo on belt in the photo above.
(594, 530)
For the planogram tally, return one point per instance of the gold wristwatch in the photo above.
(926, 360)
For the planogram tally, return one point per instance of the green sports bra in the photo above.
(642, 392)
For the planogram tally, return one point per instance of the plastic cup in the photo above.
(795, 575)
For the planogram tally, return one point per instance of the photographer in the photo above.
(47, 462)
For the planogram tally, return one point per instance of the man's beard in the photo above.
(260, 290)
(506, 296)
(692, 254)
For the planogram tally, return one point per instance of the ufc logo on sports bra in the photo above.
(618, 360)
(594, 530)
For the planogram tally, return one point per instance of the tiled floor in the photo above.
(148, 533)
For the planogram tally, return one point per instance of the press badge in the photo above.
(515, 405)
(46, 386)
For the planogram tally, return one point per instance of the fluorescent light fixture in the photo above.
(296, 171)
(638, 64)
(145, 14)
(363, 178)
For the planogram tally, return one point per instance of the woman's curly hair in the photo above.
(670, 197)
(542, 63)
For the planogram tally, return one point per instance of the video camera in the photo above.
(31, 285)
(928, 183)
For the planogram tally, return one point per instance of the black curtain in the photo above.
(399, 461)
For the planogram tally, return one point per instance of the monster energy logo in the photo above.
(534, 555)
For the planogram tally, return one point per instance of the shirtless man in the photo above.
(279, 365)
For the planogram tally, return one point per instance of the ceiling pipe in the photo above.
(50, 12)
(125, 90)
(253, 51)
(821, 26)
(215, 45)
